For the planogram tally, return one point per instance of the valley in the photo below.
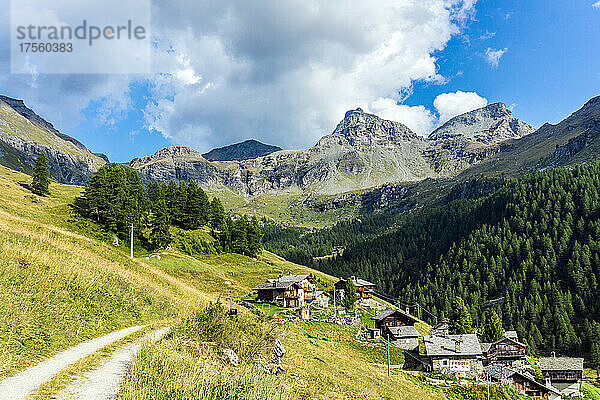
(483, 210)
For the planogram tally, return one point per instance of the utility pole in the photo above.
(334, 308)
(131, 244)
(388, 353)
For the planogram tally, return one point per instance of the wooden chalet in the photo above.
(393, 318)
(506, 351)
(524, 382)
(287, 291)
(563, 373)
(364, 289)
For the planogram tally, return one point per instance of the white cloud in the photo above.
(493, 56)
(286, 73)
(282, 72)
(596, 5)
(449, 105)
(487, 35)
(419, 119)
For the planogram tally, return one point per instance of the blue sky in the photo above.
(284, 73)
(551, 66)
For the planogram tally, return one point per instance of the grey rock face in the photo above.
(488, 125)
(24, 135)
(363, 151)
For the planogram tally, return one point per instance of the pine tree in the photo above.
(493, 330)
(595, 356)
(349, 294)
(41, 182)
(238, 236)
(217, 213)
(460, 318)
(160, 236)
(254, 237)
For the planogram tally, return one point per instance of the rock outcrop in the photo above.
(363, 151)
(24, 135)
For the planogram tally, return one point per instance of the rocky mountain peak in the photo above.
(350, 112)
(488, 125)
(359, 129)
(178, 153)
(245, 150)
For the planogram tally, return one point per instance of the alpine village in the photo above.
(478, 284)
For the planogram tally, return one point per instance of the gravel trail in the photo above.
(20, 385)
(104, 382)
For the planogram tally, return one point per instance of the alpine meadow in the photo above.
(305, 200)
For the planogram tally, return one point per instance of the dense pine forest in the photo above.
(164, 214)
(534, 244)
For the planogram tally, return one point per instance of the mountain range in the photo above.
(364, 151)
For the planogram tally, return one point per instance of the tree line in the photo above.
(533, 245)
(117, 198)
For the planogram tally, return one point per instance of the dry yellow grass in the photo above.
(60, 285)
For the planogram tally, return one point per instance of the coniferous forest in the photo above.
(533, 245)
(165, 213)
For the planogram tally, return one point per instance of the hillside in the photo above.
(570, 142)
(24, 134)
(63, 282)
(533, 243)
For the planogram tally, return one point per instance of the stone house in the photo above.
(321, 299)
(405, 337)
(563, 373)
(454, 354)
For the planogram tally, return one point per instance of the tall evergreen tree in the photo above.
(349, 294)
(160, 236)
(40, 179)
(217, 214)
(238, 236)
(254, 237)
(493, 329)
(460, 318)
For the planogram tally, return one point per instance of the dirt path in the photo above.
(19, 386)
(104, 382)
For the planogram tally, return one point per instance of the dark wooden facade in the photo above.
(530, 387)
(506, 352)
(364, 289)
(287, 297)
(391, 318)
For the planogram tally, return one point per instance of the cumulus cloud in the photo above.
(286, 73)
(282, 72)
(596, 5)
(449, 105)
(418, 118)
(493, 56)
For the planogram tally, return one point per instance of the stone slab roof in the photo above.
(404, 332)
(453, 345)
(282, 282)
(561, 364)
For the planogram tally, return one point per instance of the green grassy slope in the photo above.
(15, 125)
(62, 282)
